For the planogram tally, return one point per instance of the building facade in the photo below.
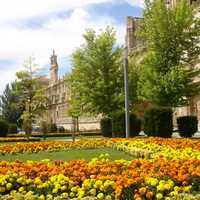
(58, 93)
(135, 44)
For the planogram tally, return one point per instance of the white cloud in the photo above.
(138, 3)
(61, 34)
(13, 10)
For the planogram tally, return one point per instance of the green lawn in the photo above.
(68, 155)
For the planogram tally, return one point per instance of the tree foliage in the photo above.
(9, 103)
(97, 76)
(172, 38)
(32, 93)
(75, 109)
(134, 69)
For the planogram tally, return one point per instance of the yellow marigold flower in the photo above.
(41, 197)
(21, 189)
(159, 196)
(100, 196)
(9, 186)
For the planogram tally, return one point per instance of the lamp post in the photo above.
(127, 119)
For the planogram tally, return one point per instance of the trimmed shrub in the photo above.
(158, 122)
(52, 128)
(135, 125)
(12, 128)
(149, 125)
(106, 127)
(61, 129)
(118, 124)
(187, 125)
(3, 128)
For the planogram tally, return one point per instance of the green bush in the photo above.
(106, 127)
(135, 125)
(52, 128)
(12, 128)
(158, 122)
(3, 128)
(118, 124)
(61, 129)
(187, 125)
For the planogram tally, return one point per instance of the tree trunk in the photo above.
(77, 125)
(73, 129)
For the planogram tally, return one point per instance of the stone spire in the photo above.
(53, 69)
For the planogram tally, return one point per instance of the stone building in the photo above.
(58, 93)
(135, 45)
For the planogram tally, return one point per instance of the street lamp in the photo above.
(127, 119)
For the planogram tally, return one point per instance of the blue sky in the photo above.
(35, 28)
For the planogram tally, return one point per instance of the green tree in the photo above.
(75, 109)
(9, 103)
(134, 75)
(172, 38)
(31, 94)
(97, 76)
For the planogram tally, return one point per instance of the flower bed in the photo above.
(18, 139)
(101, 178)
(141, 148)
(171, 169)
(50, 146)
(156, 147)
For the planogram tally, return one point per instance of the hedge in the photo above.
(12, 128)
(119, 128)
(135, 125)
(118, 124)
(61, 129)
(52, 128)
(106, 127)
(187, 125)
(68, 134)
(158, 122)
(3, 128)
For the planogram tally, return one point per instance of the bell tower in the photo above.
(53, 69)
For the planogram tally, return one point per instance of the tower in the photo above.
(132, 39)
(53, 69)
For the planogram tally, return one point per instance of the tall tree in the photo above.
(9, 103)
(172, 36)
(31, 93)
(97, 76)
